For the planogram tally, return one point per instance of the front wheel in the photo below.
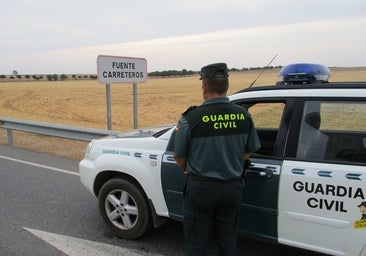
(124, 208)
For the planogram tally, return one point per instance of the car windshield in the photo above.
(161, 132)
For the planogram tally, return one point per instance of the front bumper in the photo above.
(87, 174)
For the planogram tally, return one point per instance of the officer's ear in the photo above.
(204, 87)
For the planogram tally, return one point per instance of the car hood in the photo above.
(141, 133)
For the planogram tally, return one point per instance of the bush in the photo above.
(63, 77)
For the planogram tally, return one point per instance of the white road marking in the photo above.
(76, 247)
(40, 165)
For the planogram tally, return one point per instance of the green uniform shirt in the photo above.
(213, 138)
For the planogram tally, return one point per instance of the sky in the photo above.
(67, 36)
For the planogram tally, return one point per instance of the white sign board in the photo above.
(114, 69)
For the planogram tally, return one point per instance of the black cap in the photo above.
(214, 70)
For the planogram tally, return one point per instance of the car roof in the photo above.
(338, 89)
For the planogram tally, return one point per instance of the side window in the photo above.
(267, 119)
(333, 131)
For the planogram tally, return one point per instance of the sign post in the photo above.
(109, 112)
(114, 69)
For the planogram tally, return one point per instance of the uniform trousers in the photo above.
(211, 204)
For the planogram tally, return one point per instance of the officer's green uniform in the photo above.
(213, 138)
(211, 135)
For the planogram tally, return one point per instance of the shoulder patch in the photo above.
(188, 110)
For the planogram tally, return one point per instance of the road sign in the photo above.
(114, 69)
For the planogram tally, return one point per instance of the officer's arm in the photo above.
(246, 156)
(247, 162)
(182, 137)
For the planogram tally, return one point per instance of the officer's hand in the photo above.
(247, 164)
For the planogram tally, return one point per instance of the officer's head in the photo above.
(362, 204)
(215, 78)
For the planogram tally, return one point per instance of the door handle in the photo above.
(262, 172)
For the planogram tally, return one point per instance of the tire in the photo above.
(124, 208)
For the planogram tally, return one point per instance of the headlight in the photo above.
(88, 149)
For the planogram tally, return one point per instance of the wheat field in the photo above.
(83, 103)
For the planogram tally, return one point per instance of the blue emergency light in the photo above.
(304, 73)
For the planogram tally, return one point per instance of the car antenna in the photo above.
(264, 69)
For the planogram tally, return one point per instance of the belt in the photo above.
(196, 177)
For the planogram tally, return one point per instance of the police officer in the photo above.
(211, 143)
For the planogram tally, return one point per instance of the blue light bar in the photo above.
(304, 73)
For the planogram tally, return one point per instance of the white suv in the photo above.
(306, 186)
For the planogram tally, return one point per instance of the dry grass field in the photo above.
(83, 103)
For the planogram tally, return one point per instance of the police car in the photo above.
(306, 186)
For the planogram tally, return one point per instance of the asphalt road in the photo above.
(46, 211)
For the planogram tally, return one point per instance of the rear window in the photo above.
(333, 131)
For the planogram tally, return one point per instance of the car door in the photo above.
(259, 211)
(322, 198)
(173, 181)
(258, 214)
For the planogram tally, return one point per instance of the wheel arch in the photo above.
(107, 175)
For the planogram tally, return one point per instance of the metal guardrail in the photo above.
(54, 130)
